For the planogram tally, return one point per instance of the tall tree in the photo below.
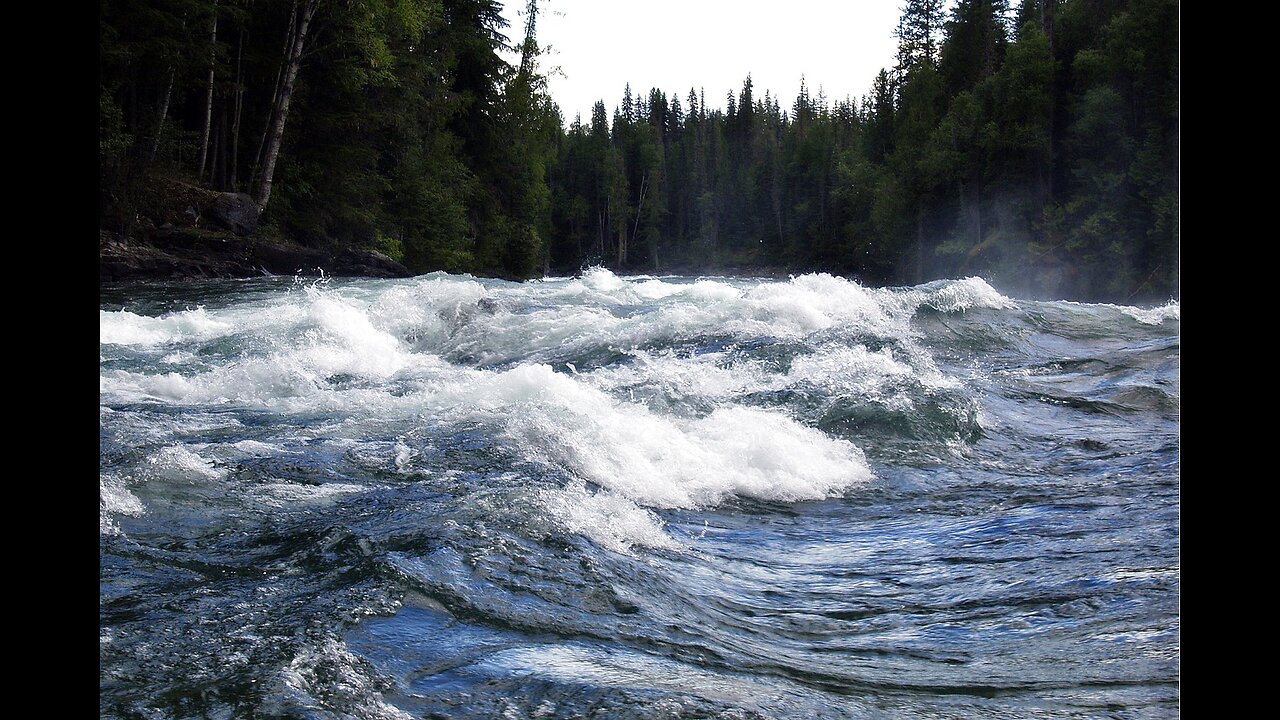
(975, 44)
(295, 44)
(208, 107)
(919, 34)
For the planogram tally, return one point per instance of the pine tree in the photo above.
(919, 31)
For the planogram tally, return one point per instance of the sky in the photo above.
(601, 45)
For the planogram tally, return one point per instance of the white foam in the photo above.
(601, 309)
(342, 344)
(1147, 316)
(269, 318)
(713, 290)
(1155, 315)
(369, 353)
(503, 337)
(971, 292)
(856, 368)
(284, 495)
(858, 371)
(641, 459)
(791, 310)
(601, 286)
(346, 340)
(667, 462)
(949, 296)
(178, 358)
(404, 455)
(576, 663)
(253, 381)
(657, 289)
(428, 310)
(329, 675)
(126, 328)
(321, 335)
(114, 498)
(708, 377)
(886, 375)
(809, 303)
(611, 520)
(181, 463)
(255, 448)
(601, 279)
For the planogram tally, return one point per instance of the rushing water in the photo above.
(635, 498)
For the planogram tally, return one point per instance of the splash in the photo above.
(115, 498)
(1155, 315)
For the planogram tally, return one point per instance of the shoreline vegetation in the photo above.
(1034, 144)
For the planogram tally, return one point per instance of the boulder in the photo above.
(282, 259)
(236, 212)
(367, 263)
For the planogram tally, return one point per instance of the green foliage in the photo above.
(975, 44)
(392, 247)
(1027, 145)
(113, 141)
(427, 203)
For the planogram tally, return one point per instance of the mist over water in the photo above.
(645, 497)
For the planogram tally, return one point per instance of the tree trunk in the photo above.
(208, 104)
(622, 243)
(644, 177)
(220, 173)
(600, 234)
(234, 181)
(216, 142)
(164, 106)
(281, 113)
(164, 113)
(255, 170)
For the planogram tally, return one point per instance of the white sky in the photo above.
(601, 45)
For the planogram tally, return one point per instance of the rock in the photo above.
(367, 263)
(279, 259)
(173, 252)
(236, 212)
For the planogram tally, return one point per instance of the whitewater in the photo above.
(635, 497)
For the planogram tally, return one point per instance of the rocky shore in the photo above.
(179, 230)
(179, 253)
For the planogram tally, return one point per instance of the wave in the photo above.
(650, 393)
(474, 498)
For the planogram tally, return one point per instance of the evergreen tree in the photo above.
(1045, 146)
(975, 44)
(919, 31)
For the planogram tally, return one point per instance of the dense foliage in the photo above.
(1036, 147)
(398, 124)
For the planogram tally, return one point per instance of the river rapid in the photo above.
(635, 497)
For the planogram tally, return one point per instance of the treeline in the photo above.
(1037, 147)
(390, 124)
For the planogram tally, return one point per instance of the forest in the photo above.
(1035, 145)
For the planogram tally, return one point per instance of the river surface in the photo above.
(640, 497)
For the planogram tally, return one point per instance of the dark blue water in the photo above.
(635, 498)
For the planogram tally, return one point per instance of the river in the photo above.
(635, 497)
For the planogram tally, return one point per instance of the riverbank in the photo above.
(192, 253)
(179, 230)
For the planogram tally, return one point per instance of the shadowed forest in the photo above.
(1033, 144)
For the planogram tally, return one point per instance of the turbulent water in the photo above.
(652, 497)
